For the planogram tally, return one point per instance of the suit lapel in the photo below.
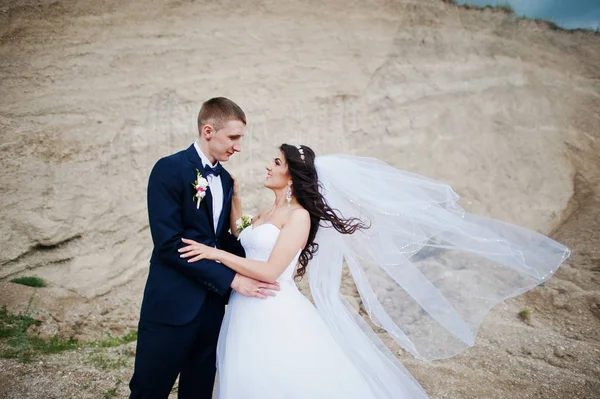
(208, 199)
(209, 205)
(226, 182)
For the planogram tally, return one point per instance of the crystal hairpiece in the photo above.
(301, 151)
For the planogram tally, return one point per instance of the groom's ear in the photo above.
(207, 131)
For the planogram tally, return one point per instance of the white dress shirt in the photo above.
(216, 187)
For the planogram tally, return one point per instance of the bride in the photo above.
(427, 272)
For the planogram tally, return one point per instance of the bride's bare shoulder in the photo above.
(299, 214)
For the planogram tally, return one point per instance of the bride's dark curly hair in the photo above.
(305, 187)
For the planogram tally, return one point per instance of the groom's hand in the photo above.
(253, 288)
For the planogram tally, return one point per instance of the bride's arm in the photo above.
(292, 238)
(236, 208)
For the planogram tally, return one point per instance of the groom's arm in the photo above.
(165, 198)
(231, 244)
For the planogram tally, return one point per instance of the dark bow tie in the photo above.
(216, 171)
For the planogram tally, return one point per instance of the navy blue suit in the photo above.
(183, 303)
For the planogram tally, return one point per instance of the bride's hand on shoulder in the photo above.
(197, 251)
(236, 187)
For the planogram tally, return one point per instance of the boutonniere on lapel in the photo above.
(243, 222)
(200, 186)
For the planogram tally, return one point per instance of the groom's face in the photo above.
(225, 142)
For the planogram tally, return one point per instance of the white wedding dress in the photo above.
(281, 347)
(426, 270)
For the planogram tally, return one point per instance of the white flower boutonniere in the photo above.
(243, 222)
(200, 186)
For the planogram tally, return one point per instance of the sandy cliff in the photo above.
(505, 110)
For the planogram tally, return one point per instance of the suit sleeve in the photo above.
(166, 226)
(231, 244)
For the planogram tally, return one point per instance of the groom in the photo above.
(184, 303)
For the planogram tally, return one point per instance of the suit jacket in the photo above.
(175, 289)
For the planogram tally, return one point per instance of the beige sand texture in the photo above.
(505, 110)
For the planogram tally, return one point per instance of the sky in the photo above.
(568, 14)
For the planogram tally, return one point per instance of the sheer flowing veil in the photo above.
(427, 271)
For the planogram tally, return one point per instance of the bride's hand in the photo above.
(236, 187)
(197, 251)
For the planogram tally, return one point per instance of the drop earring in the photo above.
(288, 195)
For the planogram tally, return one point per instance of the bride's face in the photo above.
(277, 173)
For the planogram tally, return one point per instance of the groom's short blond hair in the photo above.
(219, 110)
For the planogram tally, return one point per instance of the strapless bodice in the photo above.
(258, 242)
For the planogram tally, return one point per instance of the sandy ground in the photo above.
(93, 93)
